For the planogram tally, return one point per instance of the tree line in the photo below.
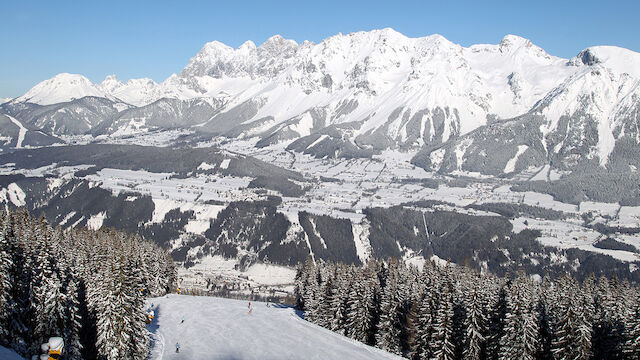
(87, 287)
(451, 312)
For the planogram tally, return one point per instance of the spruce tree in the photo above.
(476, 326)
(388, 335)
(6, 280)
(442, 345)
(520, 337)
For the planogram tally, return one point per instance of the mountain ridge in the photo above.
(365, 92)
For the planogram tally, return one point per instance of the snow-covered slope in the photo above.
(136, 92)
(61, 88)
(588, 122)
(8, 354)
(353, 95)
(216, 328)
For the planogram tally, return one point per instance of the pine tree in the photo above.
(632, 347)
(388, 335)
(72, 319)
(6, 280)
(426, 322)
(476, 326)
(520, 338)
(361, 305)
(339, 305)
(442, 346)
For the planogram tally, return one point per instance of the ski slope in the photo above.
(216, 328)
(8, 354)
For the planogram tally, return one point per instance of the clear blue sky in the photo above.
(157, 38)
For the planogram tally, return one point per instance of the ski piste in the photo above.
(217, 328)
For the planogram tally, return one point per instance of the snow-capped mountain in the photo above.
(590, 120)
(137, 92)
(61, 88)
(365, 92)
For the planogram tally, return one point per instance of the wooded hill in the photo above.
(87, 287)
(452, 312)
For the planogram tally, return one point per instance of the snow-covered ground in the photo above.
(8, 354)
(216, 328)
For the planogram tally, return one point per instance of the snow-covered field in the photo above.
(216, 328)
(8, 354)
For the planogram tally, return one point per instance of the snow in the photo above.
(8, 354)
(216, 328)
(619, 59)
(511, 164)
(608, 209)
(14, 194)
(318, 140)
(21, 133)
(225, 164)
(542, 175)
(95, 221)
(436, 158)
(205, 166)
(361, 240)
(270, 274)
(67, 218)
(61, 88)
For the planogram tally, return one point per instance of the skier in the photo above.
(177, 347)
(182, 320)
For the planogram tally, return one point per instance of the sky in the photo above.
(135, 39)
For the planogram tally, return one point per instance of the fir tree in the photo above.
(443, 346)
(388, 335)
(520, 338)
(476, 326)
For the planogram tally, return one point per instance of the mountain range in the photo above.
(364, 144)
(358, 94)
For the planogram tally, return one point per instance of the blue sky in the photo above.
(157, 38)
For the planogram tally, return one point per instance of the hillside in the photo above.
(216, 328)
(8, 354)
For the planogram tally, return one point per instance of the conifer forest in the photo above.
(86, 286)
(452, 312)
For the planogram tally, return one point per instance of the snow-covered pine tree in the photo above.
(475, 324)
(411, 330)
(302, 281)
(632, 347)
(71, 333)
(425, 327)
(322, 314)
(361, 305)
(6, 280)
(390, 326)
(50, 301)
(607, 340)
(520, 338)
(134, 280)
(339, 306)
(442, 344)
(572, 329)
(312, 293)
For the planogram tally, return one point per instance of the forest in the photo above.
(87, 287)
(453, 312)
